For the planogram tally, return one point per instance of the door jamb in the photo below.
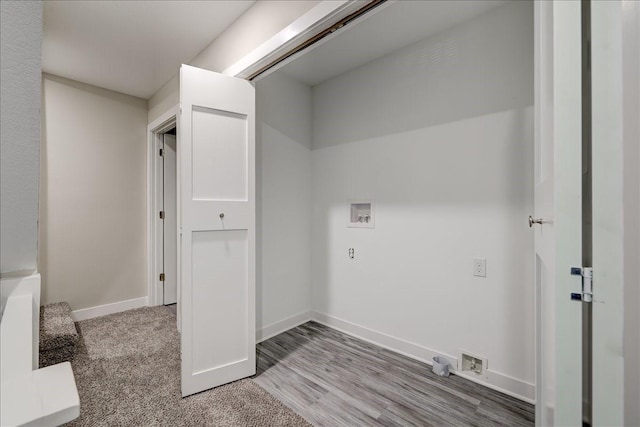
(162, 124)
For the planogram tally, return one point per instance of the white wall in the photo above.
(440, 135)
(284, 199)
(258, 24)
(631, 136)
(92, 195)
(21, 38)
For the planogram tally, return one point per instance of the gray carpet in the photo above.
(127, 370)
(58, 335)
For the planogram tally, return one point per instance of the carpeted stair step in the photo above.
(58, 334)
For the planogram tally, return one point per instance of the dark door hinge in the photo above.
(161, 214)
(161, 152)
(162, 277)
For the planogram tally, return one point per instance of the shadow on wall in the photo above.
(485, 160)
(480, 67)
(284, 104)
(283, 199)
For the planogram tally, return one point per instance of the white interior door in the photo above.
(544, 238)
(217, 169)
(170, 224)
(558, 240)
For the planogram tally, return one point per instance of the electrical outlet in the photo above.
(480, 267)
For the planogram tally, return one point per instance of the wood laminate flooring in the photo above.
(333, 379)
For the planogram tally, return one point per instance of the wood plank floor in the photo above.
(333, 379)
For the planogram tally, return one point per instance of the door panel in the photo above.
(219, 155)
(567, 128)
(558, 189)
(544, 235)
(217, 170)
(219, 298)
(607, 163)
(546, 406)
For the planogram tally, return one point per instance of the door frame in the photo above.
(155, 129)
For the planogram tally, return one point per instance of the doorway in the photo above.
(163, 212)
(168, 217)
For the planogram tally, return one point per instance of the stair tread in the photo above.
(57, 328)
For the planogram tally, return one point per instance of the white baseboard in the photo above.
(283, 325)
(505, 384)
(495, 380)
(103, 310)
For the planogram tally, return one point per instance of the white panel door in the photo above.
(544, 237)
(170, 223)
(217, 171)
(558, 239)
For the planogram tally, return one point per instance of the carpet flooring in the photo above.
(127, 370)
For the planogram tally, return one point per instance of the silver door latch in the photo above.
(587, 284)
(533, 220)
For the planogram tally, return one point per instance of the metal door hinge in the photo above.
(161, 152)
(162, 277)
(161, 214)
(587, 284)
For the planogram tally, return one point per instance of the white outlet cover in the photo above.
(480, 267)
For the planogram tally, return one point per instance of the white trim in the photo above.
(281, 326)
(103, 310)
(162, 123)
(495, 380)
(505, 384)
(303, 28)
